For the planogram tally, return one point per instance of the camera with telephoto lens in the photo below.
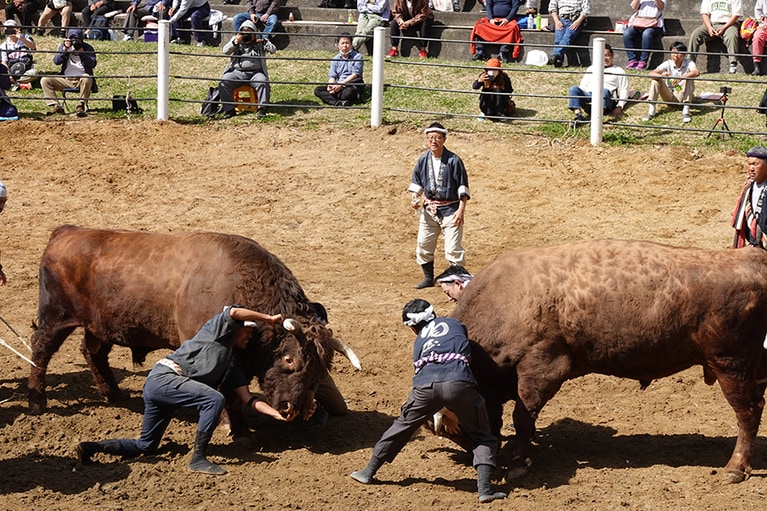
(76, 43)
(10, 31)
(725, 90)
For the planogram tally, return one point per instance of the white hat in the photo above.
(3, 191)
(536, 58)
(10, 23)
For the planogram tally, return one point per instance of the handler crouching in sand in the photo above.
(442, 379)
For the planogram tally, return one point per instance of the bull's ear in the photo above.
(291, 325)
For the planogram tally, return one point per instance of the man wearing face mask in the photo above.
(345, 84)
(247, 66)
(77, 60)
(495, 98)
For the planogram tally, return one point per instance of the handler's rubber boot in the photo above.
(365, 476)
(124, 448)
(428, 276)
(199, 462)
(486, 494)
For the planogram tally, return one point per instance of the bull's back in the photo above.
(149, 287)
(618, 307)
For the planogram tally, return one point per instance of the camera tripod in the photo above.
(724, 127)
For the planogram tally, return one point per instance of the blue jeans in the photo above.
(581, 99)
(647, 36)
(196, 17)
(242, 17)
(564, 37)
(164, 391)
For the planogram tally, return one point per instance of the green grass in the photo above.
(416, 92)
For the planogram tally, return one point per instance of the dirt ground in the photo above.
(333, 206)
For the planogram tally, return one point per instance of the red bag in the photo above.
(644, 22)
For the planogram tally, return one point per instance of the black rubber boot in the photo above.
(85, 450)
(365, 476)
(428, 276)
(486, 494)
(199, 462)
(124, 448)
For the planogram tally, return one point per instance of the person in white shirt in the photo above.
(616, 89)
(671, 83)
(720, 21)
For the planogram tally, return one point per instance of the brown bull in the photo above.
(151, 291)
(639, 310)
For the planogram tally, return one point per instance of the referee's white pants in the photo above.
(429, 228)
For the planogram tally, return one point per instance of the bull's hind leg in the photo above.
(44, 345)
(747, 400)
(96, 353)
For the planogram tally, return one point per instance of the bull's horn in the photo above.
(346, 351)
(291, 325)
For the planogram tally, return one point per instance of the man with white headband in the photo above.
(3, 200)
(440, 176)
(443, 378)
(453, 281)
(189, 377)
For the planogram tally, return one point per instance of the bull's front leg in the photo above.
(96, 354)
(748, 402)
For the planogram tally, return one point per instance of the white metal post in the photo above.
(597, 90)
(163, 80)
(376, 101)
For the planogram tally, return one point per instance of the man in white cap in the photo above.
(188, 378)
(16, 55)
(440, 176)
(3, 200)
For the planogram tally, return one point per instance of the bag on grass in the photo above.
(212, 103)
(120, 103)
(99, 29)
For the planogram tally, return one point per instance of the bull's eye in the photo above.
(289, 361)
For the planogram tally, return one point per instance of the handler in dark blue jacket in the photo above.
(442, 378)
(188, 378)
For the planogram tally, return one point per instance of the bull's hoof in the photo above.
(518, 469)
(37, 402)
(735, 476)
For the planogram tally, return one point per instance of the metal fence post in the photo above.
(376, 100)
(163, 80)
(597, 90)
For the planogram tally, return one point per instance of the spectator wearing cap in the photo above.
(25, 10)
(189, 378)
(16, 55)
(77, 60)
(495, 96)
(443, 378)
(750, 216)
(3, 200)
(453, 281)
(440, 177)
(614, 95)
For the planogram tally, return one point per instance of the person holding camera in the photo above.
(671, 82)
(495, 98)
(345, 84)
(260, 11)
(16, 55)
(246, 67)
(77, 60)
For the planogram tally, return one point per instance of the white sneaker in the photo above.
(648, 117)
(733, 68)
(269, 46)
(686, 118)
(127, 37)
(201, 44)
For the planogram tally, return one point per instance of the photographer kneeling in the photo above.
(77, 60)
(246, 67)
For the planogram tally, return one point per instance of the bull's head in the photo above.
(302, 356)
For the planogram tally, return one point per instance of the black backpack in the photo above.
(99, 29)
(212, 103)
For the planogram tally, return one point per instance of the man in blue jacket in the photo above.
(77, 60)
(443, 378)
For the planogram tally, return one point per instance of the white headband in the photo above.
(455, 278)
(439, 130)
(418, 317)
